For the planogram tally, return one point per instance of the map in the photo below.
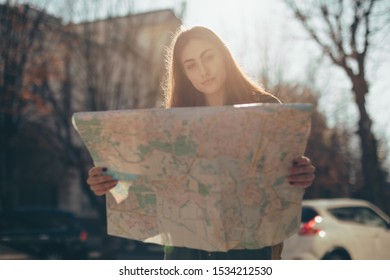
(209, 178)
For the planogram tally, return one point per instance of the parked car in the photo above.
(340, 229)
(43, 234)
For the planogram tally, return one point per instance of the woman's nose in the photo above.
(204, 70)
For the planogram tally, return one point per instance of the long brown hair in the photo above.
(179, 91)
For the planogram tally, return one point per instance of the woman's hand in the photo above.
(100, 183)
(301, 174)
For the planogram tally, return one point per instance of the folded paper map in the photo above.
(210, 178)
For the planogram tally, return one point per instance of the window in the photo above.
(308, 214)
(360, 215)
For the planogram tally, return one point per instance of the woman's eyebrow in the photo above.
(205, 51)
(188, 60)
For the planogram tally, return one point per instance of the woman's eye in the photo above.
(190, 66)
(209, 57)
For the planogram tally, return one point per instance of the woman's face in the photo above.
(204, 66)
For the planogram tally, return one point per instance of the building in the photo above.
(134, 46)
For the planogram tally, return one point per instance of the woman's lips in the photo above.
(208, 81)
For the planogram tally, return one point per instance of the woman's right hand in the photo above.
(100, 183)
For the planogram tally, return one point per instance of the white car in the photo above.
(340, 229)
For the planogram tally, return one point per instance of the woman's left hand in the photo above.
(301, 173)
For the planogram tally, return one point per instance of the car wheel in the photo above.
(337, 256)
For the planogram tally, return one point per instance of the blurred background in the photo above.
(64, 56)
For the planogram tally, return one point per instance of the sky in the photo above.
(263, 34)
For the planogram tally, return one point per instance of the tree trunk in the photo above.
(373, 176)
(3, 161)
(8, 128)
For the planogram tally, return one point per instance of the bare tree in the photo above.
(344, 30)
(21, 32)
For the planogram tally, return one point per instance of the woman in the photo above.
(202, 72)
